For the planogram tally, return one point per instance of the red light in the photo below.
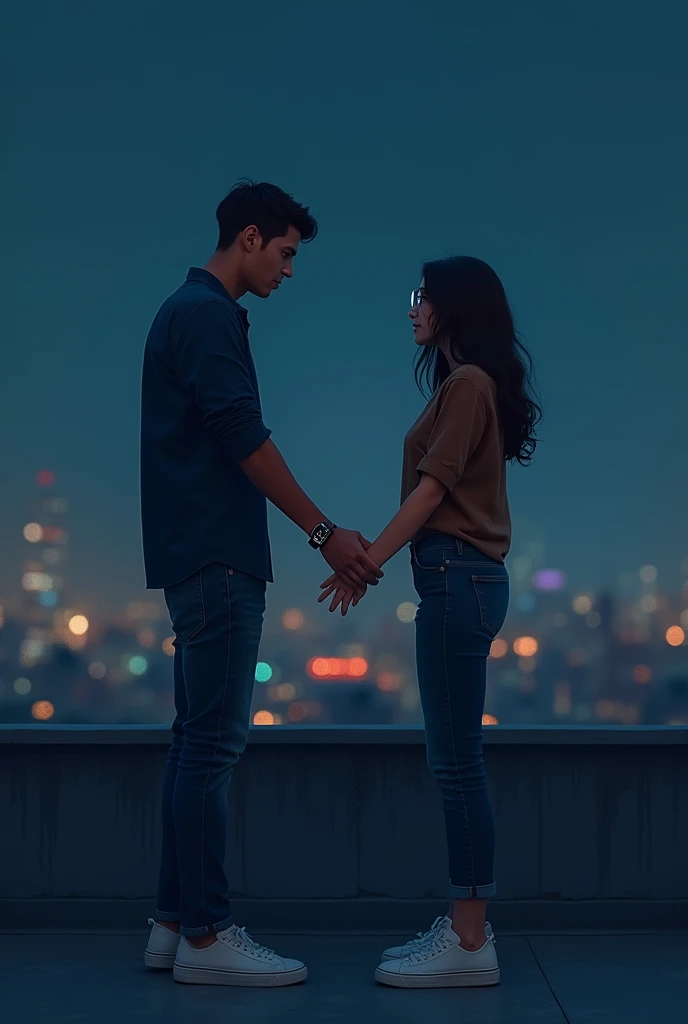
(46, 478)
(337, 668)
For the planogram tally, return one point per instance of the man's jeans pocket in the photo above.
(185, 604)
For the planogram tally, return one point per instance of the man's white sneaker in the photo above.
(441, 962)
(235, 959)
(162, 947)
(399, 952)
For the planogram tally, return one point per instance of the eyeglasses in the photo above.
(417, 296)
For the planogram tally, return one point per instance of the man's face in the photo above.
(265, 269)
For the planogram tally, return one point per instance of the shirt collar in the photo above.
(214, 283)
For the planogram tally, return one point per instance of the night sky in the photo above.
(546, 138)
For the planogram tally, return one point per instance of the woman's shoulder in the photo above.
(476, 375)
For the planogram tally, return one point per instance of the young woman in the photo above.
(455, 513)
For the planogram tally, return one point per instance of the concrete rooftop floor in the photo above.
(73, 978)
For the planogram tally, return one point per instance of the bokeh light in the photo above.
(648, 574)
(526, 646)
(642, 674)
(675, 636)
(498, 648)
(168, 646)
(42, 710)
(97, 670)
(293, 618)
(45, 478)
(78, 625)
(406, 612)
(593, 619)
(33, 533)
(582, 604)
(490, 720)
(22, 686)
(263, 672)
(263, 718)
(137, 665)
(337, 668)
(146, 637)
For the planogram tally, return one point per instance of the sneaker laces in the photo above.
(424, 937)
(242, 940)
(436, 943)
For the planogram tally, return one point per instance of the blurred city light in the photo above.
(526, 646)
(683, 618)
(22, 686)
(37, 581)
(78, 625)
(582, 604)
(406, 612)
(675, 636)
(562, 699)
(642, 674)
(42, 710)
(168, 646)
(560, 619)
(549, 579)
(263, 672)
(648, 603)
(146, 637)
(293, 618)
(593, 619)
(48, 599)
(525, 602)
(45, 478)
(33, 533)
(263, 718)
(389, 682)
(498, 648)
(337, 668)
(490, 720)
(527, 664)
(283, 692)
(97, 670)
(648, 574)
(137, 665)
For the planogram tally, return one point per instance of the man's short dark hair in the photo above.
(268, 207)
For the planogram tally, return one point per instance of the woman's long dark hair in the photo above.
(471, 309)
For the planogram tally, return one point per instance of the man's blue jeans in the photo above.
(217, 617)
(464, 596)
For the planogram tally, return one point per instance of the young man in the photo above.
(207, 467)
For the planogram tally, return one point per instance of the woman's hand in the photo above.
(344, 595)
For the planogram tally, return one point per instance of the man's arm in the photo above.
(344, 550)
(210, 359)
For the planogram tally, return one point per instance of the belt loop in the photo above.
(459, 549)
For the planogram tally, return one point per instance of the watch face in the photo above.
(321, 533)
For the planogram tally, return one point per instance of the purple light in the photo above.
(549, 579)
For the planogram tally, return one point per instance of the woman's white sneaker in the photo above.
(235, 959)
(399, 952)
(442, 962)
(161, 950)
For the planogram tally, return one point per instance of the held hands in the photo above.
(347, 590)
(344, 595)
(345, 553)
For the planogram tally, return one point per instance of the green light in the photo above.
(138, 665)
(263, 672)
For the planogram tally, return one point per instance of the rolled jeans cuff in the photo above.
(472, 892)
(209, 929)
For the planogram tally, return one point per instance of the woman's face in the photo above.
(421, 316)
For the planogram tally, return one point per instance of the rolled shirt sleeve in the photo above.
(456, 432)
(212, 359)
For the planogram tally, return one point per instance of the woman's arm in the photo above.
(413, 514)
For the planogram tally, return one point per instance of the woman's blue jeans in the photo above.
(464, 596)
(217, 617)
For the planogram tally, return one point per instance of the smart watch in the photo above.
(321, 533)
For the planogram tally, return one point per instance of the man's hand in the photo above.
(345, 552)
(343, 595)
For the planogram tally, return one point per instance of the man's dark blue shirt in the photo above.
(200, 415)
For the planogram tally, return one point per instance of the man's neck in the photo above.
(224, 267)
